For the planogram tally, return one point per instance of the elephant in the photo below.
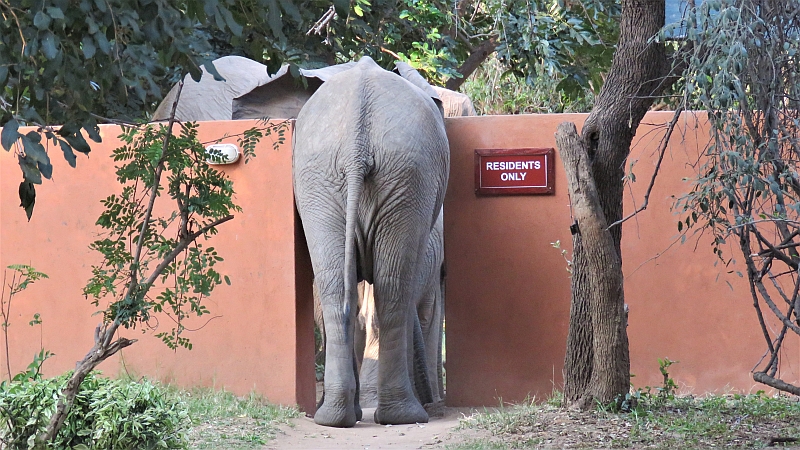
(248, 92)
(370, 168)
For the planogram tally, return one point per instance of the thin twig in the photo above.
(323, 23)
(153, 192)
(181, 246)
(753, 222)
(772, 250)
(662, 150)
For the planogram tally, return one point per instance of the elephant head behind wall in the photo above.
(370, 168)
(248, 91)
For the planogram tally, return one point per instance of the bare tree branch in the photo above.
(662, 148)
(475, 59)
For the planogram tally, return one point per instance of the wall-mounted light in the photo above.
(222, 154)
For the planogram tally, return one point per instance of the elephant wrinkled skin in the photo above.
(370, 169)
(430, 312)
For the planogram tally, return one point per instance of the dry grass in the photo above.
(743, 421)
(221, 420)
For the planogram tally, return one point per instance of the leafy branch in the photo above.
(153, 261)
(743, 69)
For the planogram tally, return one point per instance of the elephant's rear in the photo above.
(370, 168)
(374, 126)
(366, 113)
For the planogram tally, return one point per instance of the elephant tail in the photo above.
(355, 186)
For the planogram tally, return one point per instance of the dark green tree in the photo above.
(67, 65)
(79, 63)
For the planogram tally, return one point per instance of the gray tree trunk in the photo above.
(597, 364)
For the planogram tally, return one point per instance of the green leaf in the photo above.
(46, 169)
(274, 18)
(9, 134)
(30, 170)
(41, 20)
(291, 9)
(93, 131)
(77, 142)
(55, 12)
(102, 42)
(209, 66)
(69, 155)
(342, 7)
(49, 46)
(88, 47)
(27, 197)
(93, 28)
(3, 74)
(234, 26)
(34, 150)
(227, 280)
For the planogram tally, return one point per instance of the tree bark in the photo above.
(601, 269)
(475, 59)
(103, 349)
(637, 75)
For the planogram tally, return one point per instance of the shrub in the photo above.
(495, 89)
(107, 414)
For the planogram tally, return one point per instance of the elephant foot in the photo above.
(397, 413)
(435, 409)
(336, 417)
(338, 411)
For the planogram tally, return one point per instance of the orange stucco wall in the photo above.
(507, 287)
(249, 342)
(508, 293)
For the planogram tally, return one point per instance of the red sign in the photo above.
(514, 171)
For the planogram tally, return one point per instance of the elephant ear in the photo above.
(412, 76)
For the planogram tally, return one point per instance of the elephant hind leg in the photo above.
(340, 402)
(368, 380)
(422, 383)
(396, 401)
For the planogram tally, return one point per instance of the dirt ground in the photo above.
(367, 435)
(547, 427)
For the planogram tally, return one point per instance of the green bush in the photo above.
(107, 414)
(495, 89)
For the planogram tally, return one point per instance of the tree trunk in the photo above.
(597, 364)
(103, 349)
(475, 59)
(607, 351)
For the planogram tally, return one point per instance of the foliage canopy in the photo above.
(77, 64)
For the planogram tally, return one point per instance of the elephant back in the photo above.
(372, 105)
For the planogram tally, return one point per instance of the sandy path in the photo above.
(367, 435)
